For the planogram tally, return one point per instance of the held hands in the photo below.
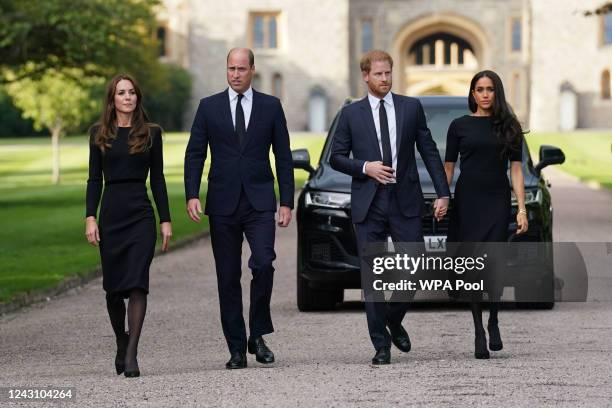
(440, 208)
(91, 231)
(166, 232)
(284, 216)
(523, 224)
(194, 209)
(379, 172)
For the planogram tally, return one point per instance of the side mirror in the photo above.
(301, 160)
(549, 155)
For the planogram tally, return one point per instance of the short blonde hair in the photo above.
(371, 56)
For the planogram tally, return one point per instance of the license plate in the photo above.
(435, 243)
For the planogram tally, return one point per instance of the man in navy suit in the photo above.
(240, 125)
(381, 131)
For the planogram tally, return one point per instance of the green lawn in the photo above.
(588, 155)
(42, 236)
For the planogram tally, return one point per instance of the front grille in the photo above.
(324, 249)
(433, 227)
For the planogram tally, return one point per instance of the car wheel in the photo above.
(545, 291)
(309, 299)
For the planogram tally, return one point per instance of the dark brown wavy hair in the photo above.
(105, 131)
(505, 124)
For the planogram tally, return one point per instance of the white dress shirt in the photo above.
(390, 108)
(247, 105)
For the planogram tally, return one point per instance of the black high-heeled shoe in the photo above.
(480, 346)
(122, 343)
(132, 372)
(495, 341)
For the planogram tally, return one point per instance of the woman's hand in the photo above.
(521, 221)
(166, 232)
(91, 231)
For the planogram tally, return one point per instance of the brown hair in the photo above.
(106, 129)
(371, 56)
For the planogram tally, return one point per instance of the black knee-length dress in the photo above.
(127, 224)
(482, 202)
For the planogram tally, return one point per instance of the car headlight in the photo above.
(532, 196)
(327, 199)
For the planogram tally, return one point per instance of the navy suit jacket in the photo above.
(356, 133)
(234, 167)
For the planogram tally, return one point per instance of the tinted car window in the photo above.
(439, 119)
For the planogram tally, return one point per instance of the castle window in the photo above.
(264, 30)
(607, 28)
(367, 35)
(257, 81)
(277, 85)
(161, 40)
(517, 34)
(605, 84)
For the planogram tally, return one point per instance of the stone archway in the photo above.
(439, 54)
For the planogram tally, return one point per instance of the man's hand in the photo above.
(194, 209)
(379, 172)
(440, 208)
(284, 216)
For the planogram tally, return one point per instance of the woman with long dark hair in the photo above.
(486, 140)
(124, 148)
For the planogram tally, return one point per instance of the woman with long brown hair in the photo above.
(124, 147)
(486, 141)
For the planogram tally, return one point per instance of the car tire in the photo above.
(544, 305)
(309, 299)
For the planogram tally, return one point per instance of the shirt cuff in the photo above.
(363, 168)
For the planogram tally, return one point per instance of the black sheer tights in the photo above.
(136, 310)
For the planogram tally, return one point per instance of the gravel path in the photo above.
(551, 358)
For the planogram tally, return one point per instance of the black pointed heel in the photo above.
(122, 343)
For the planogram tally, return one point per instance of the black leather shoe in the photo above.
(495, 341)
(383, 356)
(480, 346)
(122, 343)
(263, 354)
(400, 338)
(237, 360)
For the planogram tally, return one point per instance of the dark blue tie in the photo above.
(384, 135)
(240, 128)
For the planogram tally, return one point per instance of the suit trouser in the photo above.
(385, 219)
(226, 233)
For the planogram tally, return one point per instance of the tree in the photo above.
(58, 101)
(167, 99)
(100, 37)
(603, 9)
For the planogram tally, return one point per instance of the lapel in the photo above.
(398, 103)
(370, 127)
(255, 113)
(226, 117)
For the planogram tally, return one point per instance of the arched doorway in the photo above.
(438, 55)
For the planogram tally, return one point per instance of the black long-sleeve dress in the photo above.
(482, 202)
(127, 222)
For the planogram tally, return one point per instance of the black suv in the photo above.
(327, 260)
